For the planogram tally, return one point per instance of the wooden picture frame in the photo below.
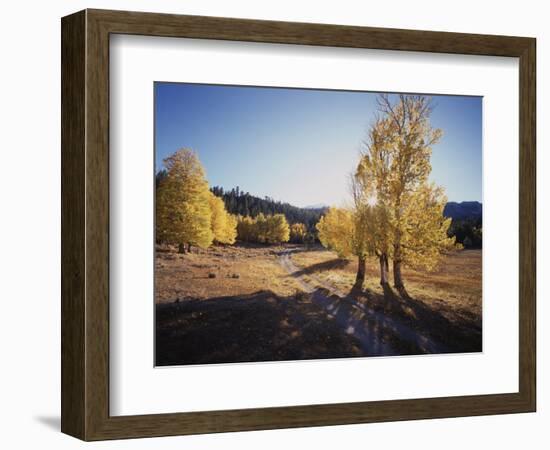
(85, 224)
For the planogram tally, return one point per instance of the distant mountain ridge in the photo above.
(463, 210)
(466, 226)
(455, 210)
(317, 206)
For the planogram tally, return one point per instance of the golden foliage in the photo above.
(224, 225)
(277, 229)
(264, 229)
(406, 221)
(425, 236)
(341, 230)
(397, 214)
(246, 229)
(183, 214)
(298, 232)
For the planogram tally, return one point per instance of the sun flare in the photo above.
(372, 200)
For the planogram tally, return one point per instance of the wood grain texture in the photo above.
(85, 224)
(97, 226)
(527, 224)
(73, 111)
(152, 24)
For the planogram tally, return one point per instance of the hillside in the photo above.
(245, 204)
(467, 225)
(463, 210)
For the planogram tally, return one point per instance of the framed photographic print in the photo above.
(271, 224)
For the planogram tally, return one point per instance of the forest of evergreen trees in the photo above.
(244, 204)
(467, 223)
(467, 232)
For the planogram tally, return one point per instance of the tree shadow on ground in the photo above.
(453, 332)
(249, 328)
(266, 327)
(378, 334)
(412, 326)
(333, 264)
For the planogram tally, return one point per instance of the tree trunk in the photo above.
(181, 248)
(397, 276)
(189, 247)
(361, 271)
(384, 269)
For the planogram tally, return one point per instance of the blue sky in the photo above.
(299, 146)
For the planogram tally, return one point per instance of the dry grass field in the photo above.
(445, 304)
(243, 303)
(220, 271)
(238, 304)
(454, 288)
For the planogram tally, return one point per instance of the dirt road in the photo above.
(378, 334)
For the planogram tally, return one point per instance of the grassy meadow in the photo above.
(240, 303)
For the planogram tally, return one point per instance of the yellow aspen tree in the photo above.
(223, 225)
(342, 230)
(410, 138)
(264, 229)
(278, 230)
(298, 232)
(230, 234)
(218, 219)
(371, 194)
(425, 237)
(335, 229)
(245, 228)
(260, 229)
(183, 214)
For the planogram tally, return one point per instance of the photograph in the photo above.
(298, 223)
(252, 226)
